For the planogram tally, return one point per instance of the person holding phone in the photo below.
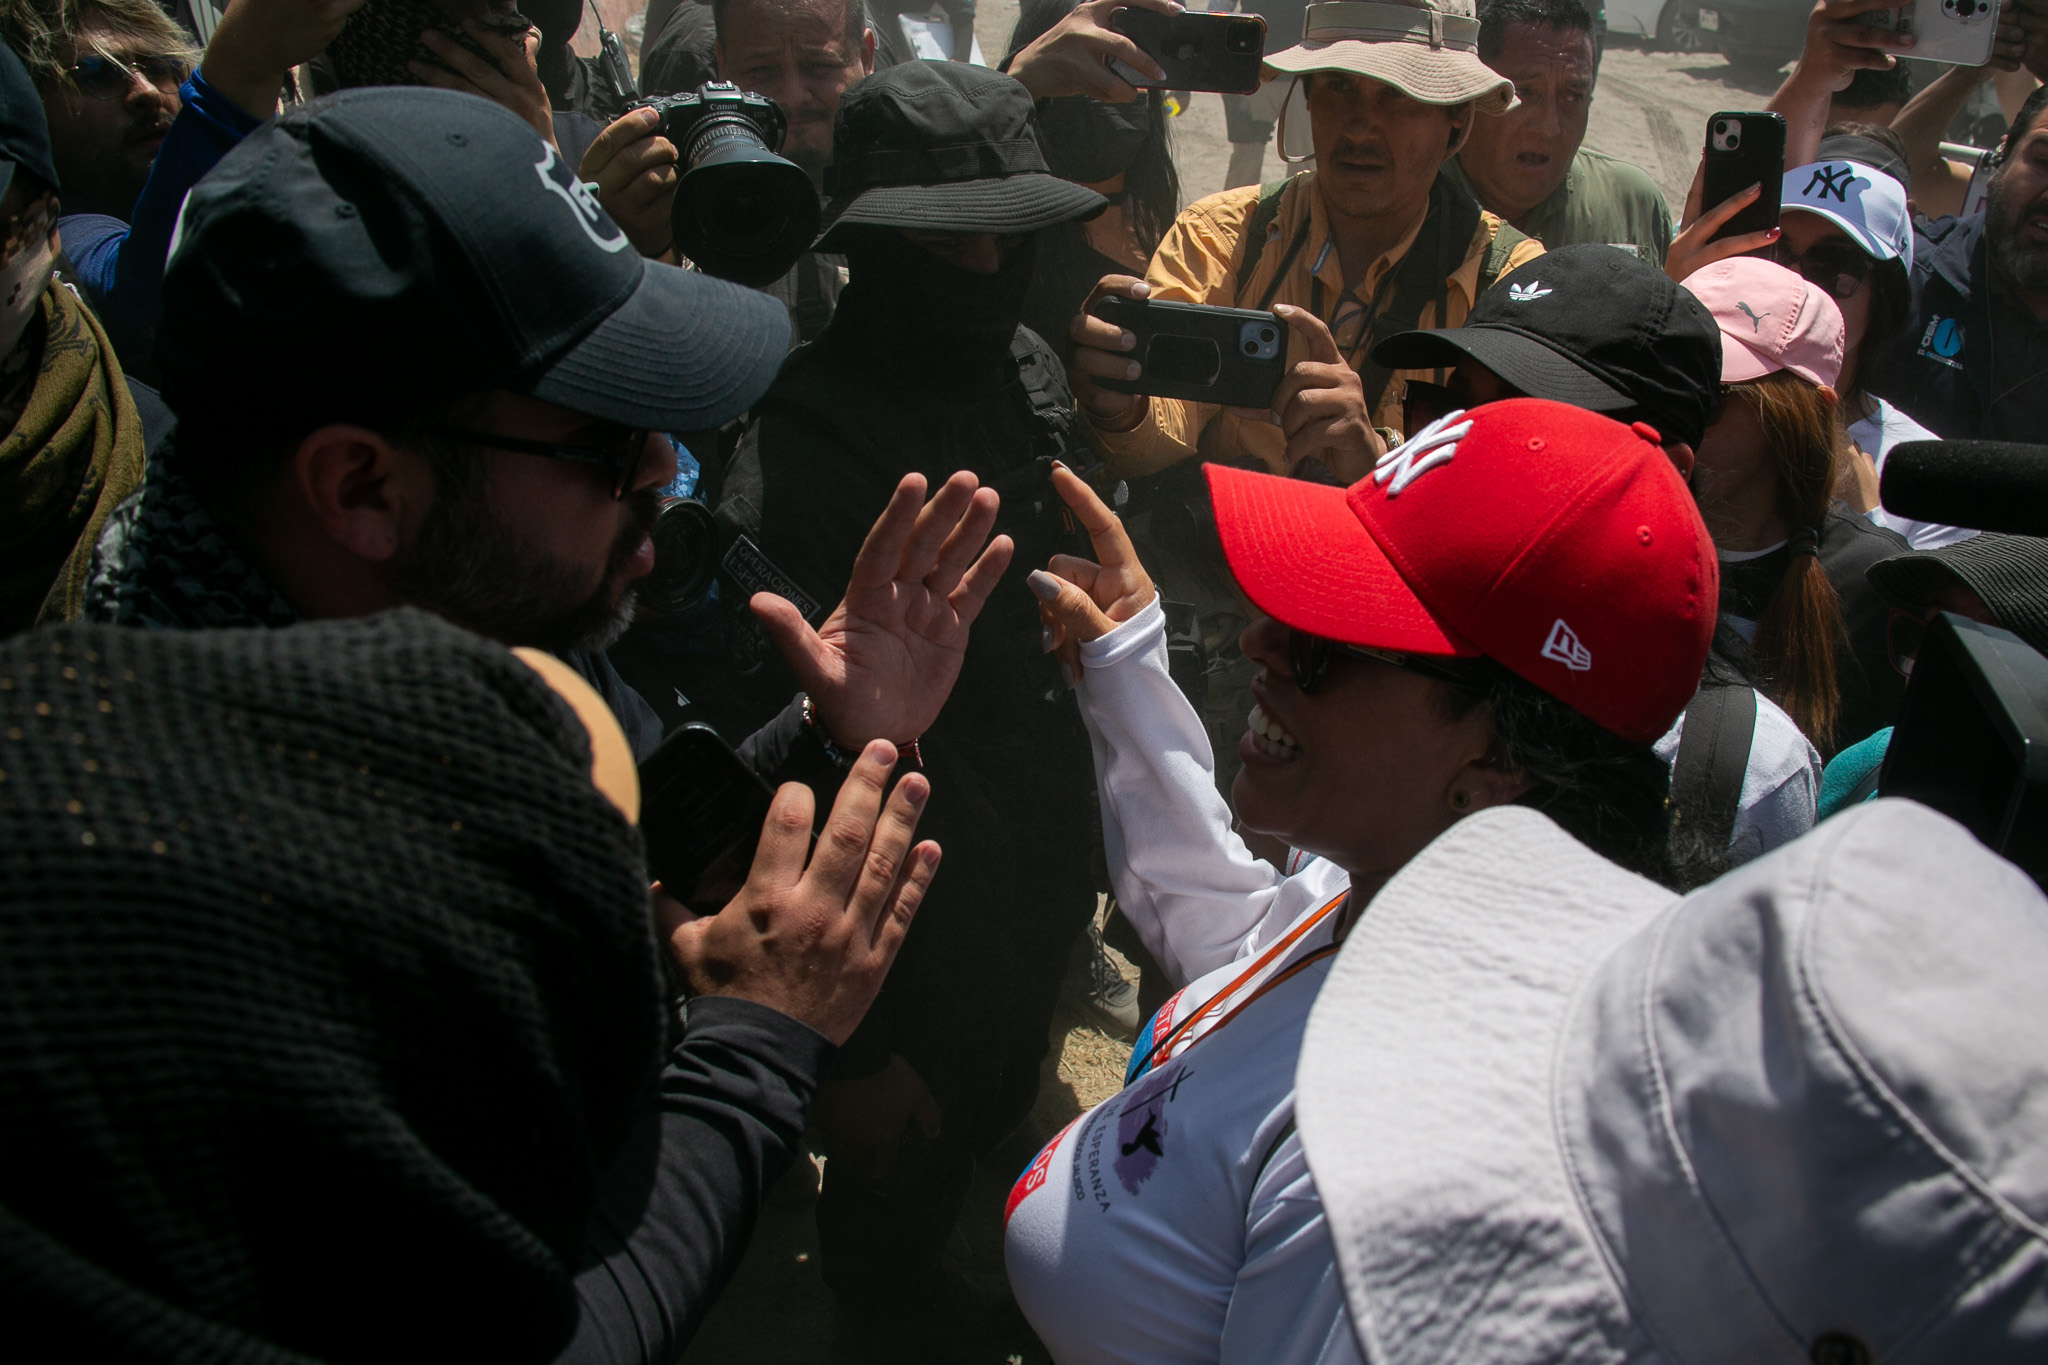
(1509, 612)
(1373, 240)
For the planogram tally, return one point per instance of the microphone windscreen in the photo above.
(1982, 485)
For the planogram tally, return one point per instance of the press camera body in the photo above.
(741, 212)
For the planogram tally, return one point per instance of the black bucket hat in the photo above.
(2009, 574)
(945, 147)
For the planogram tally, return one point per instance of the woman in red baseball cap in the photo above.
(1511, 608)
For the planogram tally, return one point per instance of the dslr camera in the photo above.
(741, 212)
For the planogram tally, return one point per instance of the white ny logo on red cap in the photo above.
(1434, 445)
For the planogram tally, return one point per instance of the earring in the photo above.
(1461, 801)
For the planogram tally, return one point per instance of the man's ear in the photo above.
(867, 52)
(361, 489)
(1683, 459)
(1461, 123)
(1482, 785)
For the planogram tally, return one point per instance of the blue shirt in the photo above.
(120, 266)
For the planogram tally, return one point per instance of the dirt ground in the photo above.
(1650, 108)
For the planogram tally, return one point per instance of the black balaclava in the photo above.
(913, 312)
(1087, 141)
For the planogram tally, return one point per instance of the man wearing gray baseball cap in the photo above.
(1556, 1113)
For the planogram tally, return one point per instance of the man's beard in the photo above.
(2023, 264)
(467, 567)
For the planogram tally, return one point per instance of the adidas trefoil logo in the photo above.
(1527, 293)
(1564, 647)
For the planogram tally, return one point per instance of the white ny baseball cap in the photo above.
(1556, 1113)
(1863, 201)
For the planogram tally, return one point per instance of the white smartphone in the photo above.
(1955, 31)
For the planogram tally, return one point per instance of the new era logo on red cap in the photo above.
(1564, 648)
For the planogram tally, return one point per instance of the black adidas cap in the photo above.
(381, 250)
(1591, 326)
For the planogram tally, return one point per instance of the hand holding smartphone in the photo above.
(1197, 51)
(1232, 356)
(1960, 32)
(1744, 148)
(701, 810)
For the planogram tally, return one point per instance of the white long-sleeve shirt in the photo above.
(1177, 1221)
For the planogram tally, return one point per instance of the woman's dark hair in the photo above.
(1800, 632)
(1610, 795)
(1151, 181)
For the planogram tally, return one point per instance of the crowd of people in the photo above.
(1476, 751)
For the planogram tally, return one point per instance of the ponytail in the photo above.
(1800, 630)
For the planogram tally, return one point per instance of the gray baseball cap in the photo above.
(1556, 1113)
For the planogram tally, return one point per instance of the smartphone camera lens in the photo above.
(1246, 37)
(1267, 334)
(1251, 348)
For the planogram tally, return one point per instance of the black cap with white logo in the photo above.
(1591, 326)
(382, 250)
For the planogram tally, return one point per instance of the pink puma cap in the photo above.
(1770, 319)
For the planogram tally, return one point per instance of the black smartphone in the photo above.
(1197, 51)
(701, 809)
(1745, 147)
(1232, 356)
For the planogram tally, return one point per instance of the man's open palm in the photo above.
(884, 661)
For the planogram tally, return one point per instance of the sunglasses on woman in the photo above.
(1310, 655)
(1838, 269)
(98, 76)
(618, 456)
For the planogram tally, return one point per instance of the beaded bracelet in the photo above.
(838, 757)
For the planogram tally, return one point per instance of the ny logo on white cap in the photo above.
(560, 180)
(1434, 445)
(1564, 647)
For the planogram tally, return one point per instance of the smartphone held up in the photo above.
(1744, 148)
(1231, 356)
(1959, 32)
(1219, 53)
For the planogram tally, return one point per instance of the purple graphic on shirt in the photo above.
(1142, 1127)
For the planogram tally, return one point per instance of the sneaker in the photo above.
(1113, 1000)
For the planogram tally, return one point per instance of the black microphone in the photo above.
(1983, 485)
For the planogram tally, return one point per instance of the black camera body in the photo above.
(741, 212)
(709, 111)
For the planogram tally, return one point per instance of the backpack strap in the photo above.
(1505, 240)
(1713, 755)
(1264, 214)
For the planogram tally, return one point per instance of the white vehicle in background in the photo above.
(1757, 36)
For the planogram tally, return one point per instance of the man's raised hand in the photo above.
(887, 657)
(812, 933)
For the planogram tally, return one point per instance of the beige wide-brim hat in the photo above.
(1429, 49)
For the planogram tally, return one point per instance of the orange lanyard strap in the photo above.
(1265, 960)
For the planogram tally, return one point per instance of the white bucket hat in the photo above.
(1555, 1113)
(1429, 49)
(1864, 202)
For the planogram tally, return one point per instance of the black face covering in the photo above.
(911, 311)
(1087, 141)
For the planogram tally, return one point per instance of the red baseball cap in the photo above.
(1555, 541)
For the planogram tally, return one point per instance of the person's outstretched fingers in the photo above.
(1105, 529)
(785, 838)
(981, 577)
(1694, 249)
(964, 544)
(882, 550)
(906, 896)
(888, 859)
(938, 525)
(842, 849)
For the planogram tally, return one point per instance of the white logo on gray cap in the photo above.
(559, 179)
